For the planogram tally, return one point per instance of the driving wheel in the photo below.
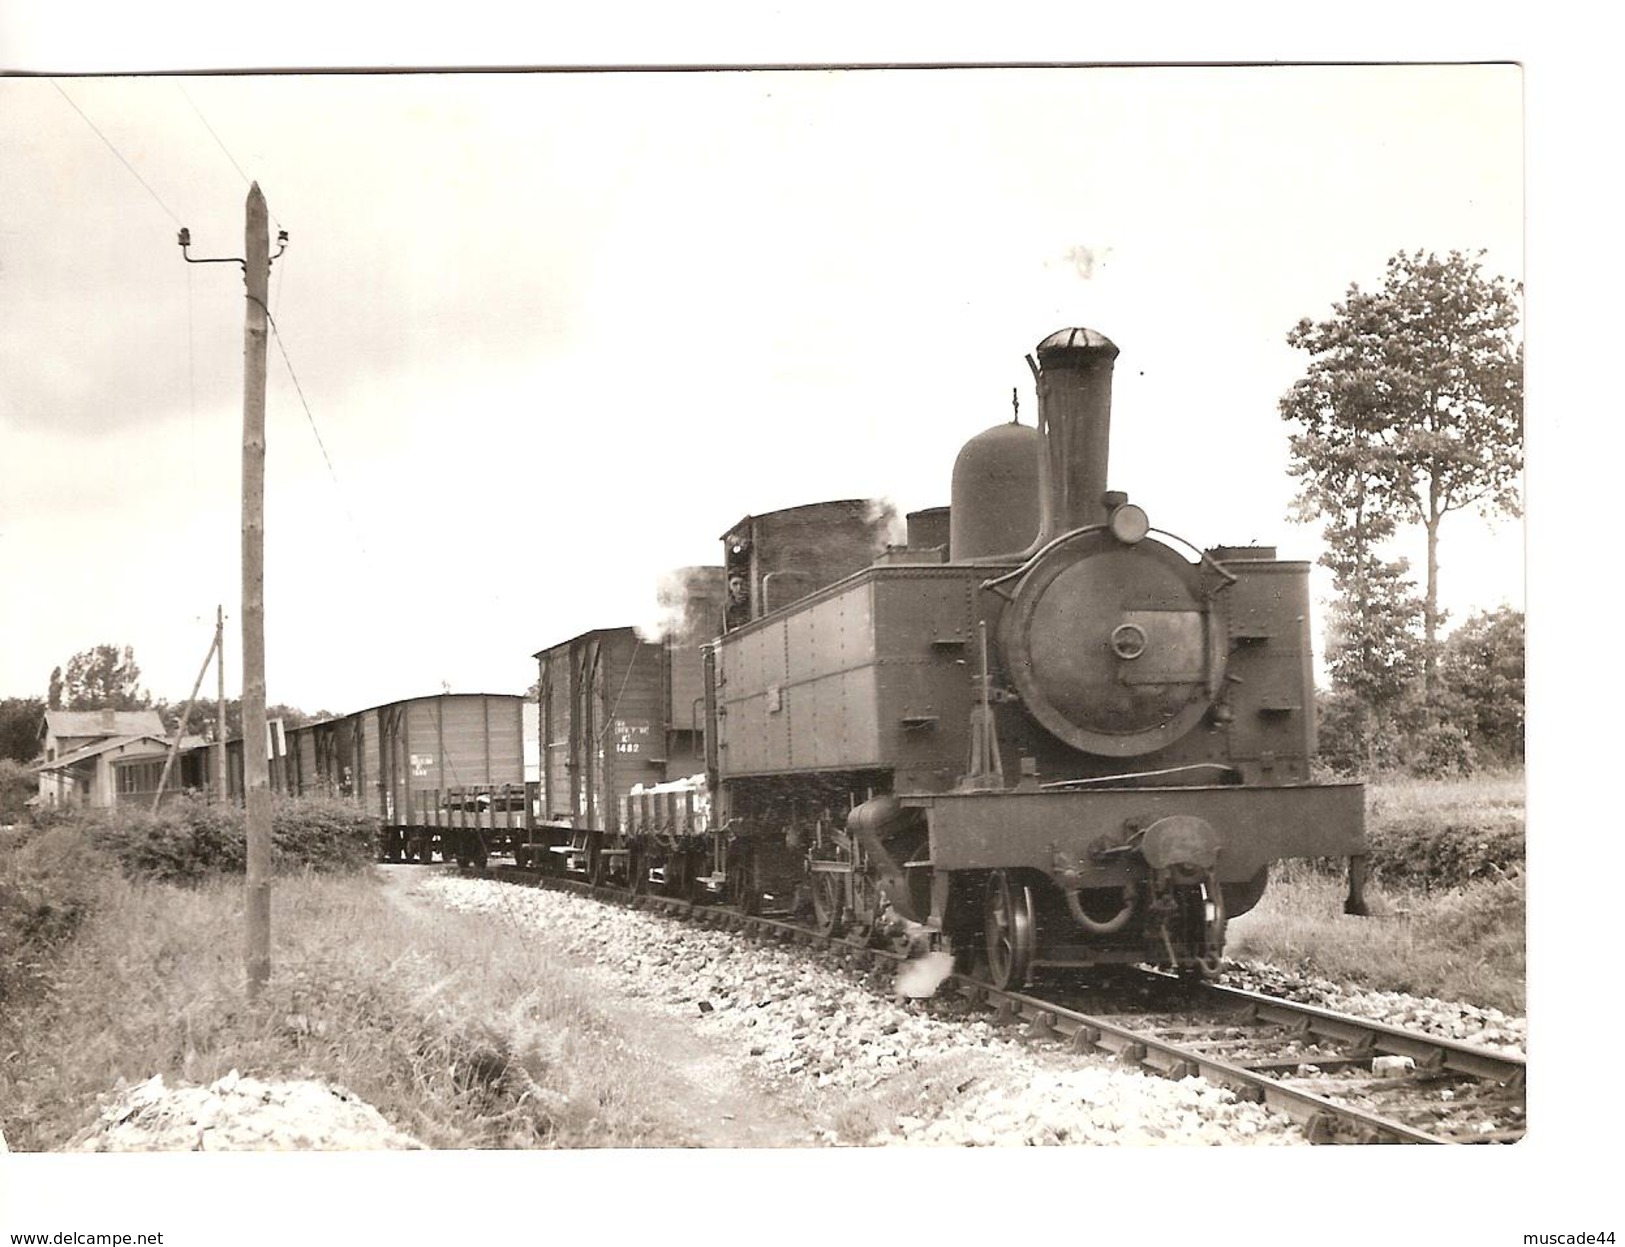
(829, 901)
(1011, 929)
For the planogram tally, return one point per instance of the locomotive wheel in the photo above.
(829, 902)
(742, 889)
(1012, 929)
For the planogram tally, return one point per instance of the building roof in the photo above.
(60, 723)
(161, 745)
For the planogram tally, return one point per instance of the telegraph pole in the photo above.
(256, 772)
(256, 261)
(220, 704)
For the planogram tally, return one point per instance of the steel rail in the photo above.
(1319, 1117)
(1431, 1053)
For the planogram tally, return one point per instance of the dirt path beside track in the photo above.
(702, 1088)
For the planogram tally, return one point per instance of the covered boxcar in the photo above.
(451, 774)
(447, 774)
(619, 712)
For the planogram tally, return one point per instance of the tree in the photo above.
(1411, 408)
(19, 727)
(101, 678)
(1481, 672)
(203, 723)
(1371, 644)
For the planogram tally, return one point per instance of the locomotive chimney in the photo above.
(1074, 375)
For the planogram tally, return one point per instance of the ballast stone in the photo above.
(237, 1114)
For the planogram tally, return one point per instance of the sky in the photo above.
(542, 337)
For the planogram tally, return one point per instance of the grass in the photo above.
(1449, 899)
(1491, 796)
(1465, 944)
(456, 1034)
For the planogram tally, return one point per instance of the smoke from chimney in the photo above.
(886, 525)
(689, 602)
(1087, 261)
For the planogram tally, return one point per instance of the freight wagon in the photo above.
(618, 712)
(449, 774)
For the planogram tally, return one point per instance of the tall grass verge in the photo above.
(1464, 944)
(50, 884)
(1443, 834)
(456, 1028)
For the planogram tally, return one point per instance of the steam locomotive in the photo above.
(1042, 733)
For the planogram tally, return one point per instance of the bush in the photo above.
(321, 834)
(190, 840)
(1442, 751)
(17, 785)
(1418, 851)
(186, 841)
(1351, 739)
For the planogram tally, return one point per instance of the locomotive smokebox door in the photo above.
(1117, 648)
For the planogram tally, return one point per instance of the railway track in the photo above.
(1344, 1079)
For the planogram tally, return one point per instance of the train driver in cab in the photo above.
(738, 611)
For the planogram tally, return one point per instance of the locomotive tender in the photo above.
(1066, 739)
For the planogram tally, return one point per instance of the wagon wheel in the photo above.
(1012, 931)
(693, 891)
(742, 887)
(829, 902)
(597, 866)
(680, 876)
(637, 871)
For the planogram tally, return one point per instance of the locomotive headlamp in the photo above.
(1129, 524)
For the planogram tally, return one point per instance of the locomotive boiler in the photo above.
(1060, 737)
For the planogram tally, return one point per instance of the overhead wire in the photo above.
(311, 417)
(116, 152)
(191, 366)
(220, 142)
(281, 345)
